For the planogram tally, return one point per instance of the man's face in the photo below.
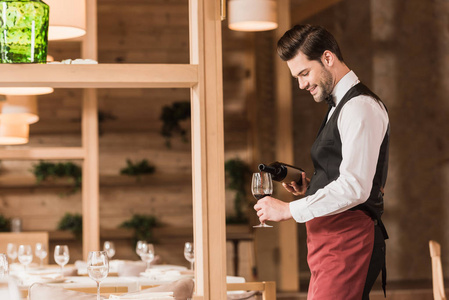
(312, 76)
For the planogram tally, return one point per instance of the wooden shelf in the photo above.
(42, 153)
(99, 75)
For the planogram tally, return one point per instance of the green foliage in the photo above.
(238, 174)
(73, 223)
(143, 227)
(5, 224)
(44, 170)
(171, 115)
(138, 168)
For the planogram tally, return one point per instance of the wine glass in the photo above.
(25, 255)
(4, 267)
(139, 246)
(189, 254)
(41, 252)
(11, 250)
(98, 267)
(109, 248)
(261, 186)
(62, 256)
(147, 254)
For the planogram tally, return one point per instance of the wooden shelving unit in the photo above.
(204, 78)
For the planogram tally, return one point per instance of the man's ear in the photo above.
(328, 58)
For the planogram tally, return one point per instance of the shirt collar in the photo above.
(343, 86)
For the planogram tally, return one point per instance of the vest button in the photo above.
(314, 172)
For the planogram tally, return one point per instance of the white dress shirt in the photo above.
(362, 125)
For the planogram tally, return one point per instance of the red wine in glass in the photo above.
(261, 186)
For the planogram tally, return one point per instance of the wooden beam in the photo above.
(54, 153)
(307, 8)
(288, 241)
(99, 75)
(208, 151)
(89, 138)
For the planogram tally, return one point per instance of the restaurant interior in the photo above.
(148, 124)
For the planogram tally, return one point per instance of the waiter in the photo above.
(343, 201)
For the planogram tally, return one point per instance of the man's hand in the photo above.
(272, 209)
(295, 189)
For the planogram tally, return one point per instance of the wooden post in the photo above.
(208, 151)
(288, 241)
(90, 184)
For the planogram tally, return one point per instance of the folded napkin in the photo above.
(164, 275)
(140, 295)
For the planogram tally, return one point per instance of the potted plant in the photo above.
(143, 227)
(238, 175)
(171, 116)
(44, 170)
(5, 224)
(137, 169)
(72, 223)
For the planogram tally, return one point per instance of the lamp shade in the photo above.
(67, 19)
(19, 109)
(252, 15)
(25, 90)
(14, 133)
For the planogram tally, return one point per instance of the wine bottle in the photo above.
(282, 172)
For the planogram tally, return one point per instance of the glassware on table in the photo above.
(9, 290)
(189, 254)
(40, 251)
(147, 254)
(62, 256)
(25, 255)
(4, 267)
(109, 248)
(261, 186)
(11, 251)
(98, 267)
(139, 246)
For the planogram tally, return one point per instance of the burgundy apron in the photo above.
(339, 253)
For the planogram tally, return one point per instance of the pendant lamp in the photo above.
(14, 133)
(252, 15)
(19, 109)
(67, 19)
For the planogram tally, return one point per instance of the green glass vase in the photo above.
(24, 31)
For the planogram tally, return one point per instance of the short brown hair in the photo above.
(310, 40)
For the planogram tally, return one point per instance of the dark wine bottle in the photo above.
(282, 172)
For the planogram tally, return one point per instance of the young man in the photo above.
(343, 201)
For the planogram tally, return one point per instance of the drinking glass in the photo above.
(41, 252)
(139, 246)
(11, 250)
(62, 256)
(25, 255)
(261, 186)
(4, 267)
(109, 248)
(9, 290)
(98, 267)
(189, 254)
(147, 254)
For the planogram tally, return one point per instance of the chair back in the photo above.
(267, 289)
(437, 271)
(25, 238)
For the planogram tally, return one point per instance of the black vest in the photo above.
(326, 156)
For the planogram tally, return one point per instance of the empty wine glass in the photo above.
(109, 248)
(147, 254)
(11, 251)
(41, 252)
(261, 186)
(139, 246)
(4, 267)
(62, 256)
(98, 267)
(25, 255)
(189, 254)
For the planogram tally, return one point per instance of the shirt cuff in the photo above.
(300, 211)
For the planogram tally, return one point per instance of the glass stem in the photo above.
(191, 265)
(148, 265)
(98, 290)
(62, 270)
(42, 262)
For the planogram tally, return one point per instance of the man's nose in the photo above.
(302, 84)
